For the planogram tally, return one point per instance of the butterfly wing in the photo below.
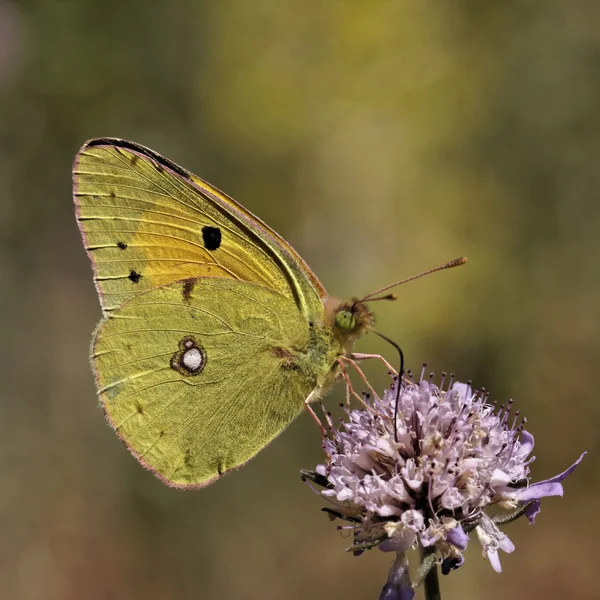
(146, 222)
(193, 376)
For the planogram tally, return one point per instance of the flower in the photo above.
(427, 468)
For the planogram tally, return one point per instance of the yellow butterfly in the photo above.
(215, 333)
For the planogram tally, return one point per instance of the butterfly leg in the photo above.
(360, 372)
(327, 414)
(377, 356)
(349, 388)
(311, 397)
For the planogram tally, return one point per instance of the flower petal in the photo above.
(548, 487)
(457, 537)
(526, 445)
(504, 543)
(400, 542)
(464, 390)
(494, 559)
(398, 585)
(532, 511)
(491, 538)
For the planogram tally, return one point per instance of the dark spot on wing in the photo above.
(286, 358)
(134, 159)
(139, 408)
(188, 288)
(161, 433)
(211, 236)
(113, 195)
(220, 469)
(280, 352)
(134, 276)
(121, 245)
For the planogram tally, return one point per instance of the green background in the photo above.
(380, 138)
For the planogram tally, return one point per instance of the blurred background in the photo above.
(380, 139)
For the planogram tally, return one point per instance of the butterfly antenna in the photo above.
(457, 262)
(399, 382)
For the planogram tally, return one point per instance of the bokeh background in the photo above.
(380, 138)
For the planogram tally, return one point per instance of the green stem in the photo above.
(432, 584)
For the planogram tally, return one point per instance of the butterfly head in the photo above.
(351, 319)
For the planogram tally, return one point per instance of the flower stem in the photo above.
(432, 584)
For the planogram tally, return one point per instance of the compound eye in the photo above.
(345, 320)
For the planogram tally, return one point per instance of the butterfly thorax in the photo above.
(330, 338)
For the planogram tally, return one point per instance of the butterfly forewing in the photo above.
(147, 222)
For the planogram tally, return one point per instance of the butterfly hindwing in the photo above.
(192, 375)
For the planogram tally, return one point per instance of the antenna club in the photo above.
(457, 262)
(386, 297)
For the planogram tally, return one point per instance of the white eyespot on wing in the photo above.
(192, 360)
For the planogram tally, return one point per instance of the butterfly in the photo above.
(215, 333)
